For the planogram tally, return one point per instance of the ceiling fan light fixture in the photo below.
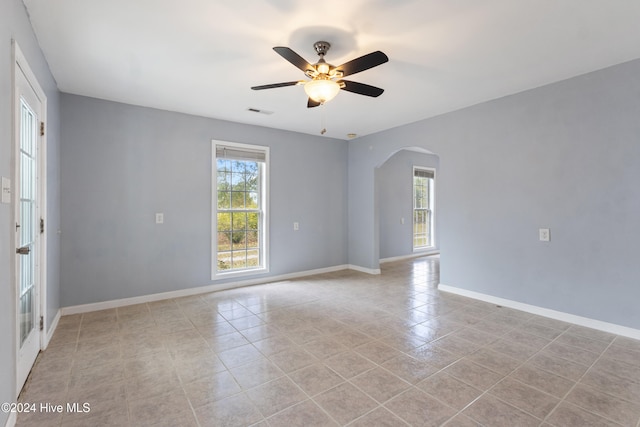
(322, 68)
(322, 90)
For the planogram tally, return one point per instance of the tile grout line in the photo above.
(576, 382)
(505, 376)
(563, 399)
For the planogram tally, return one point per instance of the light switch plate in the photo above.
(159, 218)
(544, 234)
(6, 190)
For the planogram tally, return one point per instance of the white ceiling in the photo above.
(202, 56)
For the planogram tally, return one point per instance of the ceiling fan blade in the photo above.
(274, 85)
(294, 58)
(361, 88)
(363, 63)
(311, 103)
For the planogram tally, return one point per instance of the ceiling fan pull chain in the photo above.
(323, 120)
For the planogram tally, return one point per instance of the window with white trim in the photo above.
(423, 208)
(239, 208)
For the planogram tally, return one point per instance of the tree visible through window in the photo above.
(423, 203)
(240, 214)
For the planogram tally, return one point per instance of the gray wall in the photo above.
(121, 164)
(563, 156)
(14, 24)
(394, 186)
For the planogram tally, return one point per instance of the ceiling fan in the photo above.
(326, 80)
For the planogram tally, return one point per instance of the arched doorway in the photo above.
(401, 224)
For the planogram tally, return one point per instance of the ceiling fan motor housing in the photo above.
(322, 47)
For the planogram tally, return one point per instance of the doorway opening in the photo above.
(406, 215)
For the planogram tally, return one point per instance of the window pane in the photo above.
(237, 181)
(238, 239)
(252, 220)
(237, 200)
(252, 239)
(420, 193)
(240, 166)
(224, 199)
(416, 217)
(224, 241)
(239, 221)
(252, 182)
(239, 260)
(251, 176)
(224, 221)
(223, 165)
(223, 179)
(252, 200)
(224, 260)
(253, 258)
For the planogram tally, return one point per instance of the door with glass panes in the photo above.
(26, 198)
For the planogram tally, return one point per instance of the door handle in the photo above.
(25, 250)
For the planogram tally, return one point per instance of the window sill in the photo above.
(240, 273)
(425, 249)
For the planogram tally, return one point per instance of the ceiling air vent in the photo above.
(256, 110)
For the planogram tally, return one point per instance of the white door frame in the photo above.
(20, 65)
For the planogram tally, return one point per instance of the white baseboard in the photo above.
(410, 256)
(364, 269)
(553, 314)
(105, 305)
(13, 418)
(51, 330)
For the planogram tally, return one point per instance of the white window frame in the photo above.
(432, 200)
(264, 237)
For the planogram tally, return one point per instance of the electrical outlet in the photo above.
(296, 226)
(159, 218)
(544, 234)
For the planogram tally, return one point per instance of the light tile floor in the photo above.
(342, 348)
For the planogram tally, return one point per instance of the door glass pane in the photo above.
(27, 219)
(26, 315)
